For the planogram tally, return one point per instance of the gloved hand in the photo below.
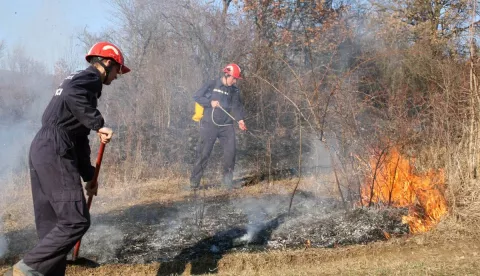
(91, 188)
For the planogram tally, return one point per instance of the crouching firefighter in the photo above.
(217, 97)
(59, 159)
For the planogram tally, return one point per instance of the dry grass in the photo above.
(173, 189)
(397, 257)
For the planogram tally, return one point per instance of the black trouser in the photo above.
(61, 213)
(208, 135)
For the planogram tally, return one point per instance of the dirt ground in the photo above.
(435, 253)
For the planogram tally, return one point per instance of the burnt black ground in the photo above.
(178, 232)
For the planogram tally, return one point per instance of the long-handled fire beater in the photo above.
(76, 249)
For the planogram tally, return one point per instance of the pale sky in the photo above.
(48, 29)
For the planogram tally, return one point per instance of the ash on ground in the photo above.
(199, 227)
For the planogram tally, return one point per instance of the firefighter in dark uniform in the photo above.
(60, 158)
(215, 123)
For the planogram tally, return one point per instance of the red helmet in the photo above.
(108, 50)
(233, 70)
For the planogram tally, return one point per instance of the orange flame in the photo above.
(394, 183)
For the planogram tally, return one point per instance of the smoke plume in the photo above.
(3, 243)
(102, 241)
(25, 89)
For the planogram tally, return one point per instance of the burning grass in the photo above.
(393, 182)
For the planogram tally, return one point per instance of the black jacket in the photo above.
(229, 98)
(72, 113)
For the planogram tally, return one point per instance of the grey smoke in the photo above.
(259, 211)
(14, 143)
(175, 222)
(23, 97)
(3, 243)
(24, 93)
(102, 242)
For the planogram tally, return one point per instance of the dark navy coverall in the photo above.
(220, 127)
(59, 156)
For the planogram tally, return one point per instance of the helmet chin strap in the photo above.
(226, 77)
(107, 70)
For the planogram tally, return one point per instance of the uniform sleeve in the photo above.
(202, 95)
(83, 151)
(83, 110)
(237, 106)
